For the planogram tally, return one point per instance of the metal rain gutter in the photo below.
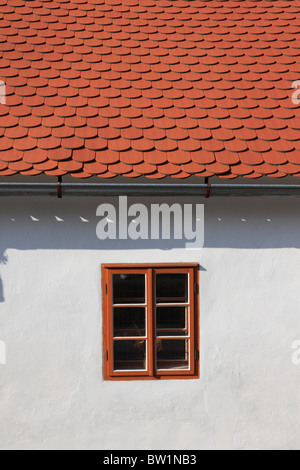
(143, 189)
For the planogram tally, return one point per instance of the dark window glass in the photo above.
(172, 353)
(171, 288)
(129, 288)
(171, 321)
(129, 321)
(129, 354)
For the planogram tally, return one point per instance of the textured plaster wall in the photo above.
(52, 395)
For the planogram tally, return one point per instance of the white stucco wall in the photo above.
(52, 395)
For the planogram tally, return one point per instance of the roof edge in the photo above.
(125, 189)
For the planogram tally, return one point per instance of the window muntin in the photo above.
(149, 323)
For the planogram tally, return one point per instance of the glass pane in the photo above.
(129, 355)
(172, 353)
(171, 321)
(129, 321)
(128, 288)
(171, 287)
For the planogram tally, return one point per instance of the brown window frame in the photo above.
(193, 305)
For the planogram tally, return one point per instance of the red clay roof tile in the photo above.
(212, 145)
(169, 169)
(119, 145)
(209, 123)
(293, 157)
(95, 168)
(227, 158)
(39, 132)
(131, 157)
(131, 133)
(223, 134)
(96, 143)
(107, 156)
(144, 168)
(59, 154)
(189, 145)
(177, 134)
(283, 145)
(87, 112)
(259, 146)
(154, 133)
(251, 158)
(289, 134)
(241, 169)
(55, 172)
(267, 134)
(59, 132)
(27, 143)
(217, 168)
(166, 145)
(70, 166)
(218, 113)
(83, 155)
(119, 168)
(179, 157)
(192, 168)
(15, 132)
(245, 134)
(19, 166)
(265, 169)
(155, 157)
(11, 156)
(236, 145)
(109, 133)
(143, 145)
(289, 168)
(203, 157)
(199, 134)
(7, 172)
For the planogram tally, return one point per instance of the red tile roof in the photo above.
(154, 88)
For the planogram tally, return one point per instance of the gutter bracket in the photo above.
(58, 187)
(208, 187)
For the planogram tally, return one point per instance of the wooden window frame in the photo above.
(193, 305)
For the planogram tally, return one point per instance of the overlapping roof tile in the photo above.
(153, 88)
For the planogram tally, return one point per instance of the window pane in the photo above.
(129, 321)
(129, 355)
(129, 288)
(172, 353)
(171, 321)
(171, 287)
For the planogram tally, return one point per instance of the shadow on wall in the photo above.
(1, 290)
(70, 223)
